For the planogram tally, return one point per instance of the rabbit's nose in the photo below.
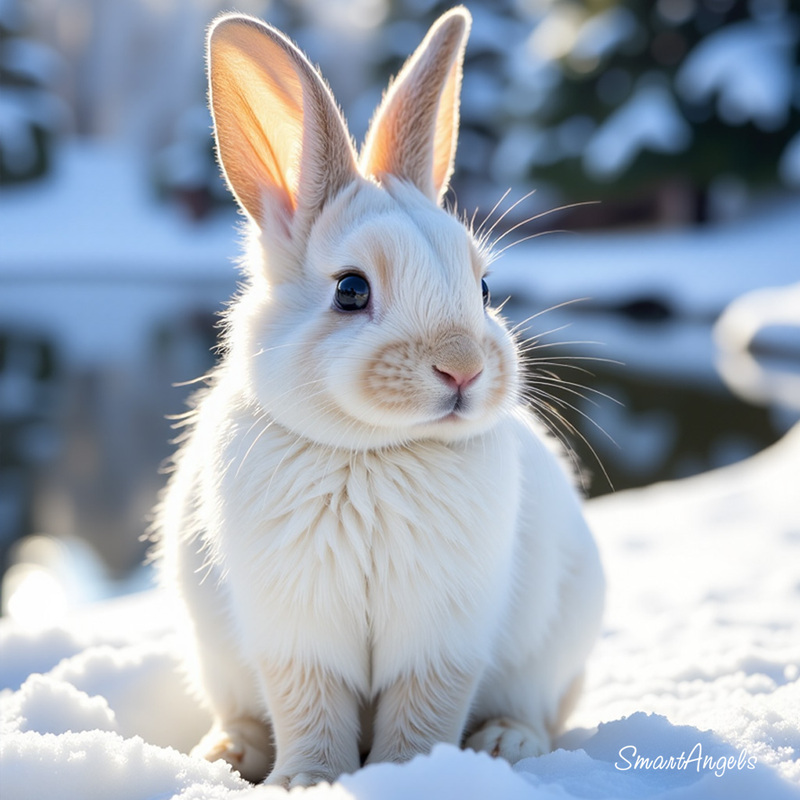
(458, 361)
(457, 379)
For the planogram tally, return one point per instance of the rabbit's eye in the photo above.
(352, 292)
(487, 297)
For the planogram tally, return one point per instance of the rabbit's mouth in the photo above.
(456, 409)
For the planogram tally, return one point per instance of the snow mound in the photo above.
(692, 693)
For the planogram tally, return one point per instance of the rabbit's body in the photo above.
(375, 546)
(419, 562)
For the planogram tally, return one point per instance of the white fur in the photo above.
(361, 571)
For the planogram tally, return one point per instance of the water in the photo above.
(83, 460)
(663, 415)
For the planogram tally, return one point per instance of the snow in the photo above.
(766, 321)
(91, 258)
(749, 66)
(698, 271)
(96, 215)
(650, 120)
(701, 647)
(88, 250)
(700, 658)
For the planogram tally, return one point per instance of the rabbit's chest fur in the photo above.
(371, 562)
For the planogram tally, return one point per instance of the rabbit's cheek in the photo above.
(501, 388)
(389, 382)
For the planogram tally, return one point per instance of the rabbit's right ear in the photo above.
(414, 132)
(282, 142)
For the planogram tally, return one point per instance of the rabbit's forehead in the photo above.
(397, 248)
(399, 240)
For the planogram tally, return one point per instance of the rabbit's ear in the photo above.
(414, 132)
(281, 139)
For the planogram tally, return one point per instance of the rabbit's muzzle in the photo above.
(458, 361)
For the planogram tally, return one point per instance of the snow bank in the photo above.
(699, 663)
(95, 215)
(764, 322)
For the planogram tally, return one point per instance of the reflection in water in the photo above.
(659, 424)
(666, 429)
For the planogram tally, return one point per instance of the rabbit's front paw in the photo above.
(309, 777)
(245, 743)
(509, 739)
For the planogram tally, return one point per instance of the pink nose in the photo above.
(457, 379)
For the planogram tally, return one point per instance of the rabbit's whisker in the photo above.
(540, 401)
(542, 394)
(479, 232)
(547, 310)
(553, 420)
(540, 215)
(485, 236)
(533, 343)
(572, 387)
(496, 254)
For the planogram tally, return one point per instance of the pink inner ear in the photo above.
(414, 133)
(257, 104)
(282, 142)
(446, 135)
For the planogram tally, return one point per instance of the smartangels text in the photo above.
(630, 759)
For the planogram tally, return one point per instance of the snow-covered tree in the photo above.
(698, 96)
(30, 112)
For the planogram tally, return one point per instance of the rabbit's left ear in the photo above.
(414, 132)
(282, 142)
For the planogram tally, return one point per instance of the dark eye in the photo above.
(487, 297)
(352, 292)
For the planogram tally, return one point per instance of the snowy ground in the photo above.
(700, 658)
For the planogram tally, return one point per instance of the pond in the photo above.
(633, 392)
(637, 396)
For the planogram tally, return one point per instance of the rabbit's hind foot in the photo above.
(245, 743)
(509, 739)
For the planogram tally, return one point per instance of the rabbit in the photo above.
(373, 544)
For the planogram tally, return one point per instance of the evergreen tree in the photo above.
(697, 95)
(30, 113)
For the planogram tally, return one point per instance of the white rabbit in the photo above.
(375, 544)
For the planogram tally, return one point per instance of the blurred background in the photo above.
(657, 144)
